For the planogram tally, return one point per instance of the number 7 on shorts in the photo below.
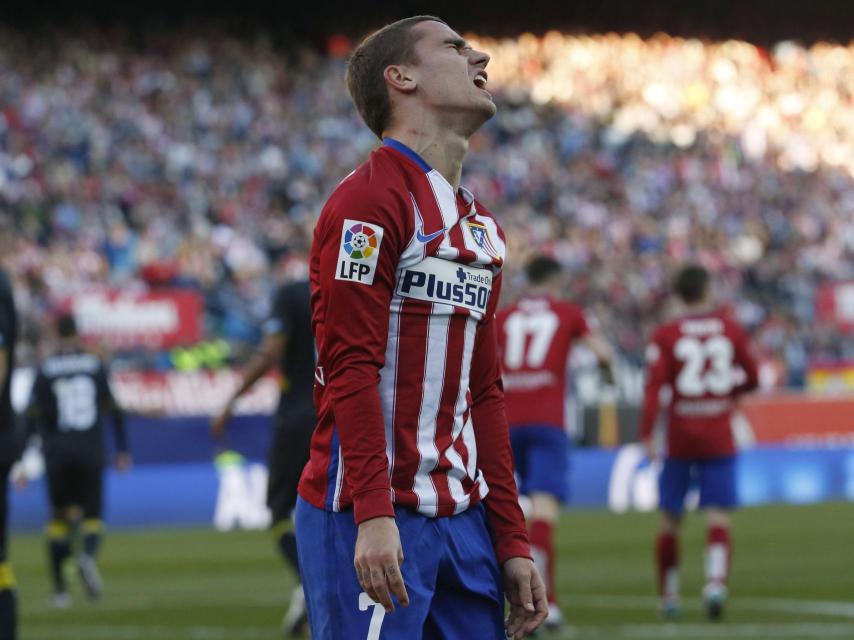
(366, 601)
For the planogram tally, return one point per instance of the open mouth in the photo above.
(480, 80)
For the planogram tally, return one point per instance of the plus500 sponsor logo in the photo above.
(431, 282)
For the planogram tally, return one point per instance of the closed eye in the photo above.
(459, 44)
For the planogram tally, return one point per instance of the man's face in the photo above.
(449, 74)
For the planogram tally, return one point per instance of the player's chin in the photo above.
(484, 107)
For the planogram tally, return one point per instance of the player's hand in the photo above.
(377, 560)
(220, 420)
(649, 447)
(122, 461)
(526, 594)
(606, 373)
(19, 477)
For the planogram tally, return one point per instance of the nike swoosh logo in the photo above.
(425, 239)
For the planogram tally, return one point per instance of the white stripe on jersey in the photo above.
(483, 488)
(431, 394)
(388, 381)
(339, 482)
(446, 198)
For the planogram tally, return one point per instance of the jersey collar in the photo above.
(409, 153)
(465, 194)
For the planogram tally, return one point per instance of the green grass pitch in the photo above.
(793, 578)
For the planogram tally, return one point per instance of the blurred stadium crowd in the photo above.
(202, 161)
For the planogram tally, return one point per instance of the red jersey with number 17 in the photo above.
(705, 359)
(535, 336)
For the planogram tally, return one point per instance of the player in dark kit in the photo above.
(8, 451)
(704, 357)
(288, 343)
(71, 395)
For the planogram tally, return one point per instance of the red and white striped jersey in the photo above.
(405, 276)
(535, 337)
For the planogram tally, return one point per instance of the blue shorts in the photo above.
(541, 455)
(449, 568)
(714, 476)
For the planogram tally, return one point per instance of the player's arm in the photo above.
(271, 351)
(522, 584)
(744, 358)
(357, 294)
(5, 367)
(122, 460)
(604, 353)
(6, 329)
(657, 376)
(33, 417)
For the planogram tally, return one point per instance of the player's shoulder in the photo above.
(376, 193)
(566, 308)
(666, 330)
(731, 325)
(380, 180)
(502, 314)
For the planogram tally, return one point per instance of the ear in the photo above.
(400, 78)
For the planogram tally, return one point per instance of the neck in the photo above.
(703, 306)
(442, 150)
(540, 290)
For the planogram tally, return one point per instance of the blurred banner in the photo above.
(835, 304)
(228, 492)
(156, 319)
(831, 377)
(192, 393)
(801, 419)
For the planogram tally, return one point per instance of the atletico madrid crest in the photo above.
(480, 234)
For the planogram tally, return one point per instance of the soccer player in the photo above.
(288, 343)
(8, 452)
(69, 400)
(704, 358)
(535, 336)
(410, 479)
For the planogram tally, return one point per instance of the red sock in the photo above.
(667, 561)
(718, 554)
(544, 555)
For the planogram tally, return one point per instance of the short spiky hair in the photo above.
(66, 327)
(393, 44)
(542, 268)
(691, 283)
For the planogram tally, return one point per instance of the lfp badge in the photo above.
(360, 241)
(359, 251)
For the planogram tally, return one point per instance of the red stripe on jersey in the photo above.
(459, 243)
(460, 445)
(412, 346)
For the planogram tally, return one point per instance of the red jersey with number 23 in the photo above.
(705, 359)
(535, 336)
